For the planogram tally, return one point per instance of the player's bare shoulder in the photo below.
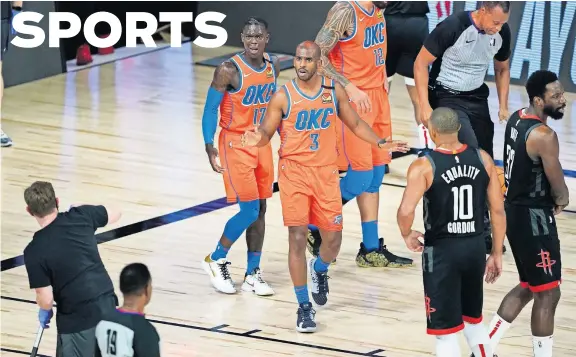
(279, 99)
(226, 77)
(339, 24)
(540, 140)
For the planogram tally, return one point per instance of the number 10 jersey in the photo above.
(455, 202)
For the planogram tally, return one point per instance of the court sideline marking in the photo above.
(219, 329)
(203, 208)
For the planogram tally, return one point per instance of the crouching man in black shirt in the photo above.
(64, 266)
(126, 332)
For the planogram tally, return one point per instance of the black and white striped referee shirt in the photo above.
(463, 52)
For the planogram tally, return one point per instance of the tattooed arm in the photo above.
(338, 24)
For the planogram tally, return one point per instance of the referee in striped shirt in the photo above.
(460, 50)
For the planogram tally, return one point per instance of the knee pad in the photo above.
(355, 183)
(377, 178)
(249, 210)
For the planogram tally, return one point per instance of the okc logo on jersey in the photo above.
(259, 94)
(374, 35)
(314, 119)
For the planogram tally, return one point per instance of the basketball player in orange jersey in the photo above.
(241, 89)
(353, 45)
(305, 111)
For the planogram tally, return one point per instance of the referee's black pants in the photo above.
(472, 107)
(477, 129)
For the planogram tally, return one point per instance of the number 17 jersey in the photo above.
(455, 202)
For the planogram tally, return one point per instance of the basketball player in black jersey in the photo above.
(536, 192)
(456, 182)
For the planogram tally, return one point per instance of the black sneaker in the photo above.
(305, 322)
(380, 258)
(320, 288)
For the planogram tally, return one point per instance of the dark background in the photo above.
(292, 22)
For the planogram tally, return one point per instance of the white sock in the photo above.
(478, 340)
(497, 329)
(424, 138)
(448, 346)
(542, 346)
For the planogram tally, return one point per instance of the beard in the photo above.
(553, 113)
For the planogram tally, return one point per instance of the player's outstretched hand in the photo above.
(251, 137)
(493, 268)
(413, 242)
(213, 157)
(395, 146)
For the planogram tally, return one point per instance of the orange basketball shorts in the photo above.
(249, 171)
(355, 152)
(310, 195)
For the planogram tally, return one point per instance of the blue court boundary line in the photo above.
(194, 211)
(219, 329)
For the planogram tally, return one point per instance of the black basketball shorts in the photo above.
(453, 272)
(534, 242)
(406, 35)
(4, 37)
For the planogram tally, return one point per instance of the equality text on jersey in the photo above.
(258, 94)
(458, 171)
(313, 119)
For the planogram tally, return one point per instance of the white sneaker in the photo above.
(219, 274)
(254, 283)
(4, 139)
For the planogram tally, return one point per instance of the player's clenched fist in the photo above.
(213, 156)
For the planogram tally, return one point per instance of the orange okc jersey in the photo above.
(308, 129)
(361, 56)
(244, 107)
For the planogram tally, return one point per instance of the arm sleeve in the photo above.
(443, 36)
(146, 341)
(210, 116)
(38, 275)
(504, 52)
(97, 215)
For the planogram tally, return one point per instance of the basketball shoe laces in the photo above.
(306, 314)
(322, 282)
(259, 276)
(224, 270)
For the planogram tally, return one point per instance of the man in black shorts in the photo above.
(125, 331)
(8, 11)
(64, 266)
(456, 182)
(460, 50)
(407, 27)
(536, 192)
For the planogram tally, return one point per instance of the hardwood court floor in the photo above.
(128, 134)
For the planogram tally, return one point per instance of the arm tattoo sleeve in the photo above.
(339, 20)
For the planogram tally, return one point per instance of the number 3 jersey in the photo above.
(526, 182)
(126, 334)
(454, 204)
(308, 128)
